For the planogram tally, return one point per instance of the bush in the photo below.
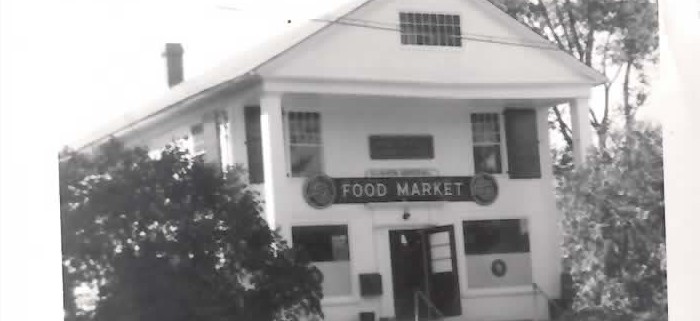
(614, 234)
(174, 239)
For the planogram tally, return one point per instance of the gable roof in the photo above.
(245, 66)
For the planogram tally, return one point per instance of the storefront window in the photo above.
(498, 253)
(328, 248)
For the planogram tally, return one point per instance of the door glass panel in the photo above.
(439, 266)
(443, 279)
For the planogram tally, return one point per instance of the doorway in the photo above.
(424, 260)
(407, 269)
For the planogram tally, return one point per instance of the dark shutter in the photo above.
(522, 143)
(254, 144)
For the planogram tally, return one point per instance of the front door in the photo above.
(424, 260)
(408, 269)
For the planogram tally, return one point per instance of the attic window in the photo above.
(430, 29)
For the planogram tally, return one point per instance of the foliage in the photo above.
(610, 36)
(174, 239)
(614, 228)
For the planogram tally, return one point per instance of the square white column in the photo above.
(237, 133)
(581, 129)
(274, 158)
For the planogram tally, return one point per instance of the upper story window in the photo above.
(305, 144)
(223, 139)
(197, 141)
(430, 29)
(486, 138)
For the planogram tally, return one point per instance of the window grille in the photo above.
(486, 139)
(430, 29)
(305, 144)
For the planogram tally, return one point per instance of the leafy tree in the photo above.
(611, 36)
(614, 228)
(174, 239)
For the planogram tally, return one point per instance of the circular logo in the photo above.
(484, 188)
(498, 268)
(319, 191)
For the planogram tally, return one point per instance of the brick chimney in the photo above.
(173, 63)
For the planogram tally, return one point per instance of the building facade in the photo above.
(404, 145)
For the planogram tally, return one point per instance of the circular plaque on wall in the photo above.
(319, 191)
(484, 188)
(499, 268)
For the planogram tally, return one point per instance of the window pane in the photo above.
(305, 160)
(322, 243)
(328, 249)
(487, 159)
(305, 143)
(496, 236)
(429, 29)
(486, 137)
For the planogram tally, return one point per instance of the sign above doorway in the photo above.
(322, 191)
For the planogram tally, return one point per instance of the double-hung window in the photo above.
(430, 29)
(328, 249)
(305, 144)
(197, 141)
(486, 139)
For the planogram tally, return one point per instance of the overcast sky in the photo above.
(89, 62)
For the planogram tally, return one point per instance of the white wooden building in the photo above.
(404, 144)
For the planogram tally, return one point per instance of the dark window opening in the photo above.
(496, 236)
(254, 144)
(322, 243)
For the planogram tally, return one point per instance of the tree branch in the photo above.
(617, 73)
(548, 22)
(606, 106)
(594, 119)
(563, 127)
(572, 25)
(590, 39)
(560, 17)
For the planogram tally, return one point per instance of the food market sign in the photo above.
(321, 191)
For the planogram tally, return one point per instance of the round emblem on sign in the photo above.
(484, 188)
(498, 268)
(319, 191)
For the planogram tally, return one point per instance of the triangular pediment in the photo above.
(365, 45)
